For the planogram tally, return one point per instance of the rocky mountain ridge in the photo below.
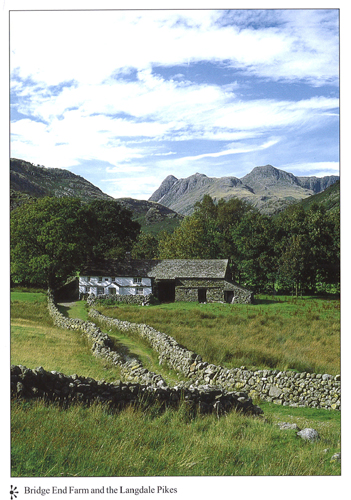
(266, 188)
(29, 181)
(38, 181)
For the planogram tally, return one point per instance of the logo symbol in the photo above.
(13, 492)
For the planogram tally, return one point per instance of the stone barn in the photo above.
(169, 280)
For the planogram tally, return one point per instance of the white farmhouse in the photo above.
(98, 285)
(168, 280)
(116, 278)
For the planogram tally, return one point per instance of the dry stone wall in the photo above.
(143, 385)
(68, 389)
(286, 388)
(102, 347)
(139, 300)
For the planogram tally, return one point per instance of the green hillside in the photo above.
(330, 198)
(38, 181)
(152, 217)
(29, 181)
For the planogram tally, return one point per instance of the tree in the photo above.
(231, 212)
(254, 254)
(145, 247)
(51, 238)
(324, 235)
(294, 262)
(112, 229)
(47, 240)
(308, 247)
(195, 238)
(206, 208)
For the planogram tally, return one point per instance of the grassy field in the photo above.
(275, 333)
(50, 441)
(36, 342)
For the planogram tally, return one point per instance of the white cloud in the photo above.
(64, 142)
(295, 48)
(138, 187)
(124, 169)
(86, 81)
(268, 113)
(232, 151)
(158, 109)
(169, 112)
(165, 154)
(319, 169)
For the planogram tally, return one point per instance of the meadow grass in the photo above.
(27, 296)
(50, 441)
(274, 333)
(36, 342)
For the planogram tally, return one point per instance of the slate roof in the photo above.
(185, 268)
(121, 268)
(166, 269)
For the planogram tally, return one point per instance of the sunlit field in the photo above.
(79, 441)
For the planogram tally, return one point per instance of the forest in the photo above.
(296, 251)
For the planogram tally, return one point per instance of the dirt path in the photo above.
(67, 304)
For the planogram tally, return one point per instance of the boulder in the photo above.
(308, 434)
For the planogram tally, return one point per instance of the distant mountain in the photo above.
(152, 216)
(38, 181)
(267, 188)
(28, 181)
(164, 188)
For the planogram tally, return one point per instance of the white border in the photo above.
(188, 487)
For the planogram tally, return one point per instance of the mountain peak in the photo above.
(261, 178)
(164, 188)
(266, 187)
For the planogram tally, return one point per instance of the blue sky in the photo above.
(125, 98)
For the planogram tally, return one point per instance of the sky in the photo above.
(125, 98)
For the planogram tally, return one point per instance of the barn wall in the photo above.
(187, 290)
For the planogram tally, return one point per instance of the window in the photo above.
(112, 291)
(107, 279)
(137, 280)
(140, 291)
(87, 289)
(100, 278)
(100, 290)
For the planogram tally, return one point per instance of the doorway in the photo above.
(166, 291)
(228, 297)
(202, 295)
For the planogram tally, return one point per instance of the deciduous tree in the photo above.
(48, 240)
(51, 238)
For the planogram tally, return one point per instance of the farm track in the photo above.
(131, 350)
